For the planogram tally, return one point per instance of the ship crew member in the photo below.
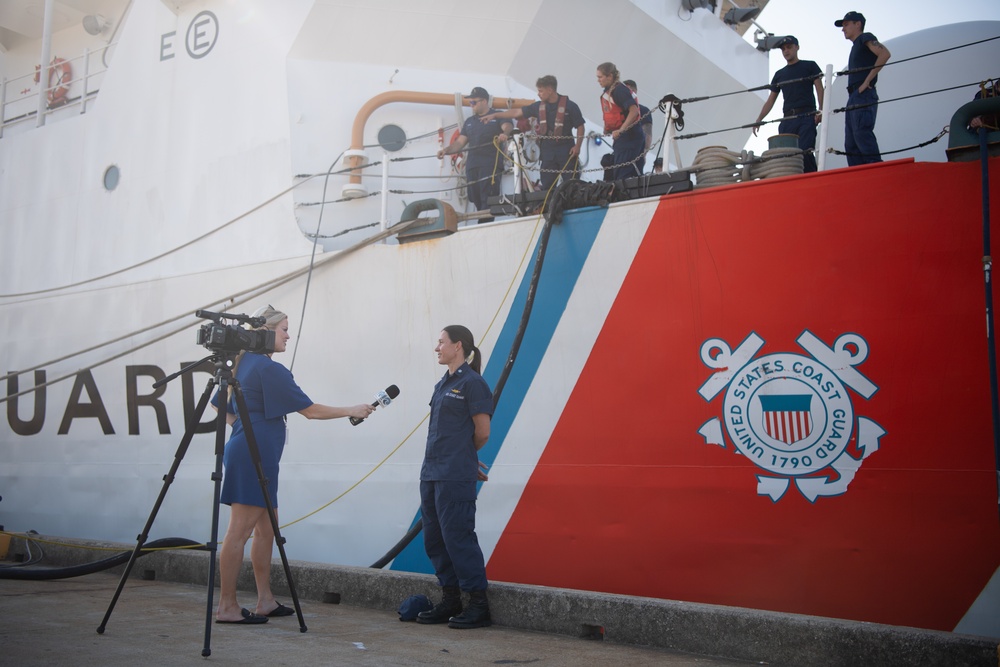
(270, 393)
(557, 117)
(621, 121)
(866, 59)
(796, 82)
(484, 164)
(645, 122)
(461, 407)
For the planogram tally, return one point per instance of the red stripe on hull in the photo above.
(629, 498)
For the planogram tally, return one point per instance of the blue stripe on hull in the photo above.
(569, 245)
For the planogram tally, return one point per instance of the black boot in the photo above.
(476, 615)
(450, 605)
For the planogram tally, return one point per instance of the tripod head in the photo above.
(223, 362)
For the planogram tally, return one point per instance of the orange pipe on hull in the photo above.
(411, 96)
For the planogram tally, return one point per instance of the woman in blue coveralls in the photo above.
(270, 393)
(459, 427)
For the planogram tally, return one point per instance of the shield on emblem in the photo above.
(787, 417)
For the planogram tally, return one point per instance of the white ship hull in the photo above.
(610, 465)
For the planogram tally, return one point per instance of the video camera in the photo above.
(220, 337)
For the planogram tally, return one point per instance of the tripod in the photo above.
(223, 378)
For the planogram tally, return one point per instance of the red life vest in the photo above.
(614, 115)
(557, 127)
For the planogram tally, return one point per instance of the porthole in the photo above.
(111, 177)
(392, 138)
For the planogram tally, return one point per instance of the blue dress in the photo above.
(271, 393)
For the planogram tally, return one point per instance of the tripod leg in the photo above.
(255, 457)
(220, 447)
(167, 480)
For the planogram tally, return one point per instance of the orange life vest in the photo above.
(614, 115)
(557, 127)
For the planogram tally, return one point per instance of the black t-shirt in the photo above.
(861, 57)
(797, 95)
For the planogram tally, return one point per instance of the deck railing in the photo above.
(19, 95)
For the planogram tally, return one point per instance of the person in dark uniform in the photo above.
(621, 121)
(461, 407)
(796, 82)
(645, 122)
(865, 62)
(271, 393)
(483, 164)
(557, 117)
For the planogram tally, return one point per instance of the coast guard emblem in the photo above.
(792, 414)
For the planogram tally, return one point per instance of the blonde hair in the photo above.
(272, 316)
(609, 69)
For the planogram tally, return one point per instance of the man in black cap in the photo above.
(796, 82)
(866, 59)
(483, 164)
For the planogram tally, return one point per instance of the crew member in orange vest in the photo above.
(621, 121)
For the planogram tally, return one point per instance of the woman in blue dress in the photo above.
(271, 393)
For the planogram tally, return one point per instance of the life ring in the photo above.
(55, 91)
(457, 159)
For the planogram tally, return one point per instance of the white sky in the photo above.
(811, 21)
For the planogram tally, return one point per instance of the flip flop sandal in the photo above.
(249, 618)
(281, 610)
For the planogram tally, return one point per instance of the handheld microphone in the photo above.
(382, 398)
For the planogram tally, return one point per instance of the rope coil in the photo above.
(715, 165)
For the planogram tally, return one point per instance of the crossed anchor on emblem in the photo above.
(791, 414)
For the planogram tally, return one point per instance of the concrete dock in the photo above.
(161, 623)
(350, 618)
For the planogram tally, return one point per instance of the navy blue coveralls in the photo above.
(483, 164)
(448, 480)
(631, 143)
(859, 126)
(646, 125)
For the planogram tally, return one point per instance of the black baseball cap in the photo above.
(790, 39)
(851, 16)
(479, 93)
